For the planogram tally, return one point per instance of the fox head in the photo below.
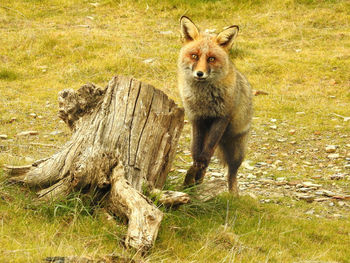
(204, 57)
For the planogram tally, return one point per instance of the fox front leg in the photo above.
(216, 130)
(206, 137)
(199, 132)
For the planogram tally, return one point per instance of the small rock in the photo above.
(319, 192)
(56, 132)
(341, 203)
(305, 197)
(337, 176)
(33, 115)
(347, 166)
(310, 212)
(260, 164)
(321, 199)
(251, 176)
(246, 165)
(292, 131)
(149, 60)
(181, 170)
(328, 193)
(331, 204)
(273, 120)
(337, 216)
(3, 136)
(293, 183)
(310, 184)
(274, 127)
(166, 32)
(282, 139)
(331, 148)
(304, 189)
(26, 133)
(216, 174)
(317, 176)
(333, 156)
(281, 179)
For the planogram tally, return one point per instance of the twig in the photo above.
(340, 116)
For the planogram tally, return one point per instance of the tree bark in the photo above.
(123, 137)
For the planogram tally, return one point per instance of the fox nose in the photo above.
(200, 74)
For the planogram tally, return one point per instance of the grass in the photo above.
(296, 50)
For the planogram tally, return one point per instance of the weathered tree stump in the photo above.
(123, 137)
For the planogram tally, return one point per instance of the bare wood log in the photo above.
(129, 127)
(144, 217)
(170, 198)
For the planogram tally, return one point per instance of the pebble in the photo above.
(282, 139)
(331, 204)
(305, 197)
(337, 176)
(273, 127)
(328, 193)
(322, 199)
(251, 176)
(292, 131)
(341, 203)
(149, 60)
(304, 189)
(246, 165)
(331, 148)
(310, 212)
(166, 32)
(281, 179)
(310, 184)
(333, 156)
(319, 192)
(3, 136)
(216, 174)
(56, 132)
(33, 115)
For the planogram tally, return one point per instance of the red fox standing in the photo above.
(217, 99)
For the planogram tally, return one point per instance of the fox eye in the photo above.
(211, 59)
(194, 56)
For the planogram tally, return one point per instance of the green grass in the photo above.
(296, 50)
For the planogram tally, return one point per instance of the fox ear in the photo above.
(226, 37)
(189, 31)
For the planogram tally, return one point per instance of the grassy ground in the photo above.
(296, 50)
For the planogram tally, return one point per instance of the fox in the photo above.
(217, 99)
